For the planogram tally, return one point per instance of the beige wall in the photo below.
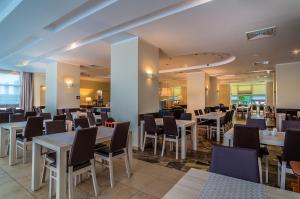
(269, 93)
(287, 82)
(212, 92)
(39, 80)
(195, 91)
(89, 88)
(224, 94)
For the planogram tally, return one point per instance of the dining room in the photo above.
(139, 99)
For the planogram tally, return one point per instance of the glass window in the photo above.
(10, 88)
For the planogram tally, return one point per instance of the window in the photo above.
(10, 88)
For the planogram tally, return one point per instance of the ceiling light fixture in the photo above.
(73, 46)
(296, 51)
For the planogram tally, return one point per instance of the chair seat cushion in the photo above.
(76, 167)
(104, 151)
(23, 139)
(263, 151)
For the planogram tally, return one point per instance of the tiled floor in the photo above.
(149, 181)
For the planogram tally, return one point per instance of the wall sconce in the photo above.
(69, 82)
(149, 74)
(88, 100)
(43, 88)
(206, 87)
(99, 93)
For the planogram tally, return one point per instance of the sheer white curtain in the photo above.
(26, 100)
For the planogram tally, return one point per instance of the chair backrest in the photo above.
(200, 111)
(82, 122)
(177, 113)
(34, 127)
(83, 146)
(46, 116)
(119, 138)
(254, 107)
(291, 149)
(246, 137)
(196, 112)
(226, 118)
(16, 118)
(60, 117)
(104, 116)
(170, 127)
(235, 162)
(91, 118)
(290, 124)
(259, 123)
(30, 114)
(185, 116)
(261, 107)
(56, 126)
(150, 125)
(168, 113)
(206, 110)
(4, 117)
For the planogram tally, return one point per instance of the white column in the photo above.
(195, 91)
(133, 92)
(63, 86)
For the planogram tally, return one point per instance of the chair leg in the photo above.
(44, 171)
(71, 183)
(24, 153)
(111, 170)
(260, 170)
(267, 169)
(282, 178)
(145, 136)
(278, 173)
(94, 178)
(127, 163)
(163, 146)
(155, 144)
(50, 186)
(176, 148)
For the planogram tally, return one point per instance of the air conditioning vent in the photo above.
(262, 33)
(264, 62)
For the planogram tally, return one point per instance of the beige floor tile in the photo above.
(142, 195)
(158, 188)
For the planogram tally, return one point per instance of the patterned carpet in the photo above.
(200, 159)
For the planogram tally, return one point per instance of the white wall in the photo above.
(195, 91)
(287, 83)
(58, 95)
(132, 92)
(39, 79)
(148, 87)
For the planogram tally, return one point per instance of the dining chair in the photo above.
(46, 116)
(59, 117)
(33, 128)
(152, 131)
(291, 152)
(117, 149)
(223, 125)
(227, 161)
(18, 111)
(259, 123)
(171, 133)
(80, 161)
(92, 119)
(51, 127)
(30, 114)
(290, 124)
(248, 137)
(104, 117)
(82, 122)
(187, 116)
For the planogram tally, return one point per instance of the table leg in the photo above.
(183, 143)
(3, 134)
(61, 180)
(194, 134)
(218, 129)
(12, 146)
(36, 159)
(142, 135)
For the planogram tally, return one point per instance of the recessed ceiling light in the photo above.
(265, 76)
(24, 63)
(73, 46)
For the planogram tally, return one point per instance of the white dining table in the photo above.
(61, 143)
(11, 129)
(78, 114)
(182, 124)
(193, 182)
(213, 116)
(274, 140)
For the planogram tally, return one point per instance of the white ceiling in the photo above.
(177, 27)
